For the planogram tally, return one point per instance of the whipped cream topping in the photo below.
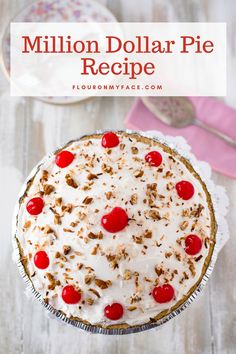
(123, 267)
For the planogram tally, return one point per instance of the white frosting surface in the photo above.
(133, 263)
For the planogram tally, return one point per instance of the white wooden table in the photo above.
(28, 130)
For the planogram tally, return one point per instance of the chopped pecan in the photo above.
(114, 264)
(67, 230)
(185, 275)
(152, 194)
(137, 239)
(74, 223)
(57, 219)
(206, 242)
(127, 274)
(67, 208)
(78, 253)
(92, 176)
(147, 234)
(86, 187)
(66, 249)
(154, 214)
(63, 258)
(48, 189)
(70, 181)
(113, 260)
(107, 169)
(132, 308)
(44, 176)
(87, 200)
(57, 255)
(88, 279)
(27, 224)
(159, 271)
(95, 236)
(110, 257)
(95, 249)
(134, 198)
(134, 150)
(186, 212)
(80, 266)
(138, 173)
(178, 240)
(197, 212)
(95, 292)
(89, 269)
(152, 186)
(53, 282)
(151, 202)
(193, 225)
(88, 142)
(102, 284)
(81, 215)
(170, 186)
(48, 230)
(183, 225)
(89, 301)
(135, 298)
(58, 201)
(197, 259)
(192, 269)
(178, 256)
(148, 280)
(108, 195)
(168, 254)
(168, 174)
(50, 276)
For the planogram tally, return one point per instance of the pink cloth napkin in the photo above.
(206, 146)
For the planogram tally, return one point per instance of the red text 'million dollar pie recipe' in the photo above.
(115, 230)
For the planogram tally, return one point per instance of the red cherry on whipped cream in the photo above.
(164, 293)
(193, 245)
(154, 158)
(35, 206)
(116, 220)
(41, 260)
(70, 295)
(110, 140)
(64, 158)
(184, 189)
(114, 311)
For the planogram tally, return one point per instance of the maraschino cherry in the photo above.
(114, 311)
(193, 245)
(41, 260)
(110, 140)
(70, 295)
(64, 158)
(35, 206)
(164, 293)
(154, 158)
(185, 190)
(115, 221)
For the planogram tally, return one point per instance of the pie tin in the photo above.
(220, 204)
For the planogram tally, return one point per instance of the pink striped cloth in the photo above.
(206, 146)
